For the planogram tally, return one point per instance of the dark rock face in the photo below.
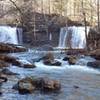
(28, 85)
(93, 39)
(11, 48)
(95, 64)
(95, 54)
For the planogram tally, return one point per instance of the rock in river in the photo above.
(29, 85)
(52, 63)
(95, 64)
(72, 60)
(8, 72)
(11, 48)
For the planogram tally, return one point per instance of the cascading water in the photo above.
(73, 37)
(10, 35)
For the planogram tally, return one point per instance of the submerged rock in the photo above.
(95, 64)
(3, 79)
(8, 72)
(76, 87)
(29, 85)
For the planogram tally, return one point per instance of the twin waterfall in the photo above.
(73, 37)
(11, 35)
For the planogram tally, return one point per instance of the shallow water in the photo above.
(87, 79)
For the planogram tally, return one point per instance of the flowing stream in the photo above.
(87, 79)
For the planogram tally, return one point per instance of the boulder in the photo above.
(51, 85)
(17, 62)
(48, 59)
(72, 60)
(46, 84)
(24, 86)
(11, 48)
(9, 59)
(48, 56)
(29, 85)
(52, 63)
(95, 64)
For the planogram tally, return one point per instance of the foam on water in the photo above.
(65, 66)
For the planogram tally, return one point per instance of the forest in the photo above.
(49, 49)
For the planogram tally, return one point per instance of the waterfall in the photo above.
(62, 39)
(9, 35)
(73, 37)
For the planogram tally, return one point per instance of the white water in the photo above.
(9, 35)
(73, 37)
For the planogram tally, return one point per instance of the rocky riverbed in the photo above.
(32, 78)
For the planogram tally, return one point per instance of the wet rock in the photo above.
(25, 86)
(95, 54)
(72, 60)
(76, 87)
(95, 64)
(46, 84)
(48, 59)
(66, 58)
(8, 72)
(51, 85)
(15, 87)
(3, 64)
(11, 48)
(49, 56)
(17, 62)
(25, 64)
(52, 63)
(29, 85)
(3, 79)
(9, 59)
